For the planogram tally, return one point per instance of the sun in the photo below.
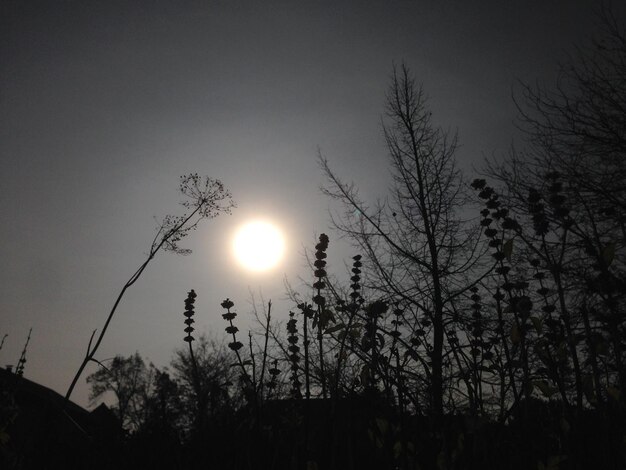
(258, 246)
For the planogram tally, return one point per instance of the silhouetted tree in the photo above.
(567, 192)
(212, 392)
(129, 380)
(163, 409)
(417, 248)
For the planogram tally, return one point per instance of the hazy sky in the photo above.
(104, 104)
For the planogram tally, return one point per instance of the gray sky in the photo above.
(104, 104)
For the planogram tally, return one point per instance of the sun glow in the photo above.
(258, 246)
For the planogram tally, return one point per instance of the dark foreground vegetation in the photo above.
(482, 326)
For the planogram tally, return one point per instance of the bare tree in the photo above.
(128, 379)
(568, 188)
(578, 125)
(206, 198)
(206, 382)
(417, 247)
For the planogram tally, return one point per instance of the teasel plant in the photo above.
(545, 244)
(396, 334)
(494, 214)
(236, 345)
(348, 331)
(231, 329)
(189, 313)
(479, 353)
(19, 370)
(294, 355)
(550, 329)
(189, 339)
(551, 220)
(322, 316)
(307, 313)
